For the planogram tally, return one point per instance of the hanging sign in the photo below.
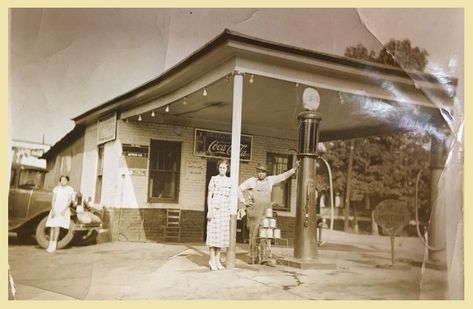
(106, 129)
(218, 144)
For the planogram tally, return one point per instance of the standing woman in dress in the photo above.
(60, 215)
(218, 215)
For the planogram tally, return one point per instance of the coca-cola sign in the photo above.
(217, 144)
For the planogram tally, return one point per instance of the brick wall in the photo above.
(288, 227)
(192, 171)
(124, 194)
(141, 224)
(192, 184)
(147, 224)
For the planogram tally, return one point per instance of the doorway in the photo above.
(211, 170)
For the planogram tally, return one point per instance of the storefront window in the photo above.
(98, 184)
(277, 164)
(164, 171)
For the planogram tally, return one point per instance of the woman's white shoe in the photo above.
(52, 246)
(219, 265)
(212, 266)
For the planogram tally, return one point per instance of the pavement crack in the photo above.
(294, 275)
(255, 280)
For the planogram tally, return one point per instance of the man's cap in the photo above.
(261, 167)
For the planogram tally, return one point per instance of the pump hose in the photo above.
(419, 234)
(331, 196)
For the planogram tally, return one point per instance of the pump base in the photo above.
(304, 264)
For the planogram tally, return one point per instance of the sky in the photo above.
(64, 62)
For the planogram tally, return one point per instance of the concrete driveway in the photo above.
(157, 271)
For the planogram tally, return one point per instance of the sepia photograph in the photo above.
(235, 154)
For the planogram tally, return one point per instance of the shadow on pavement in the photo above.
(13, 240)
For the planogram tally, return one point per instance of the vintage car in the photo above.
(29, 203)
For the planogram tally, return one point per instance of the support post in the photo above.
(235, 163)
(438, 224)
(348, 187)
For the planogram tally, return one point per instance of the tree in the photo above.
(398, 53)
(387, 166)
(360, 52)
(383, 167)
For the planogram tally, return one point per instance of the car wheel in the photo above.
(85, 238)
(42, 235)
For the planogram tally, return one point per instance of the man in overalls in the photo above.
(259, 199)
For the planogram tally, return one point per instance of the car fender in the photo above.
(32, 221)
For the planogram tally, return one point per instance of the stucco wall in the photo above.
(89, 170)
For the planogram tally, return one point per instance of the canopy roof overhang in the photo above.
(358, 98)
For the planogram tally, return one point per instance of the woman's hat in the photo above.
(261, 167)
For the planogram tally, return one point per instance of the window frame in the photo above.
(38, 185)
(99, 172)
(287, 183)
(177, 145)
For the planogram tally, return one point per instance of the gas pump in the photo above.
(305, 238)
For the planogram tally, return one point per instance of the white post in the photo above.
(438, 202)
(235, 163)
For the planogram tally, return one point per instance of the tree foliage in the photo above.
(398, 53)
(360, 52)
(383, 167)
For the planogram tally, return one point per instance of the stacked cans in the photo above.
(268, 227)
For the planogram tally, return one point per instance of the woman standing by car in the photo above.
(60, 215)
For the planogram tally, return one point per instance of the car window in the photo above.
(31, 179)
(12, 177)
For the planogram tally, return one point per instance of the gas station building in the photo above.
(155, 147)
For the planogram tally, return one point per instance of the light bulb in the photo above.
(205, 92)
(167, 109)
(184, 101)
(153, 114)
(139, 118)
(251, 79)
(126, 120)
